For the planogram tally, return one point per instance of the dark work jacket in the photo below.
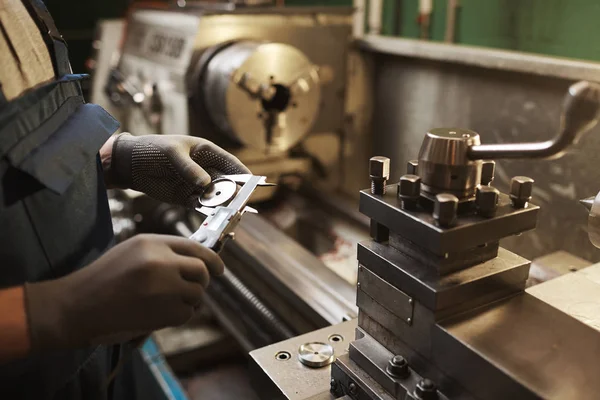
(54, 216)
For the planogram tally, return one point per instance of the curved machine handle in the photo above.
(580, 113)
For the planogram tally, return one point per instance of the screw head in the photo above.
(379, 167)
(488, 167)
(398, 367)
(445, 208)
(426, 390)
(412, 167)
(486, 200)
(409, 190)
(521, 188)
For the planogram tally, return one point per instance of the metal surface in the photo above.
(499, 352)
(264, 95)
(396, 301)
(470, 230)
(217, 193)
(290, 379)
(508, 271)
(316, 354)
(510, 61)
(413, 94)
(443, 163)
(574, 293)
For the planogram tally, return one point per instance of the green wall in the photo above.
(567, 28)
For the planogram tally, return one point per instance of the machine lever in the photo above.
(580, 113)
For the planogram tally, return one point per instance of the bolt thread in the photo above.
(378, 186)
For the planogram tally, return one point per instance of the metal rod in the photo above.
(580, 113)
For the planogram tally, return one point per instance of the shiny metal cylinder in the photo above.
(263, 95)
(443, 163)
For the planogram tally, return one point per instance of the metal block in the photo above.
(373, 358)
(355, 383)
(379, 232)
(417, 335)
(520, 348)
(392, 299)
(576, 294)
(449, 262)
(275, 378)
(505, 273)
(470, 230)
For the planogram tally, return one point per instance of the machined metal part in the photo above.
(264, 95)
(274, 379)
(444, 166)
(592, 204)
(488, 168)
(450, 158)
(409, 190)
(580, 113)
(470, 230)
(218, 192)
(379, 172)
(445, 209)
(412, 167)
(316, 354)
(519, 363)
(397, 302)
(521, 188)
(507, 271)
(486, 200)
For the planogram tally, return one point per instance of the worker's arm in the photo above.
(14, 334)
(169, 168)
(143, 284)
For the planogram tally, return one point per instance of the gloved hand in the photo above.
(169, 168)
(143, 284)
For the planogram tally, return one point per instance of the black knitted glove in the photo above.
(169, 168)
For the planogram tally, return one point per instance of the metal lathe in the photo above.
(421, 286)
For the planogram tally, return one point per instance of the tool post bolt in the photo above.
(398, 367)
(444, 209)
(486, 201)
(488, 167)
(412, 167)
(521, 188)
(379, 172)
(426, 390)
(409, 190)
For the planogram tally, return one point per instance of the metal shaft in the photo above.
(581, 111)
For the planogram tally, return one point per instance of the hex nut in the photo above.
(521, 188)
(398, 367)
(445, 209)
(488, 168)
(379, 167)
(486, 201)
(426, 390)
